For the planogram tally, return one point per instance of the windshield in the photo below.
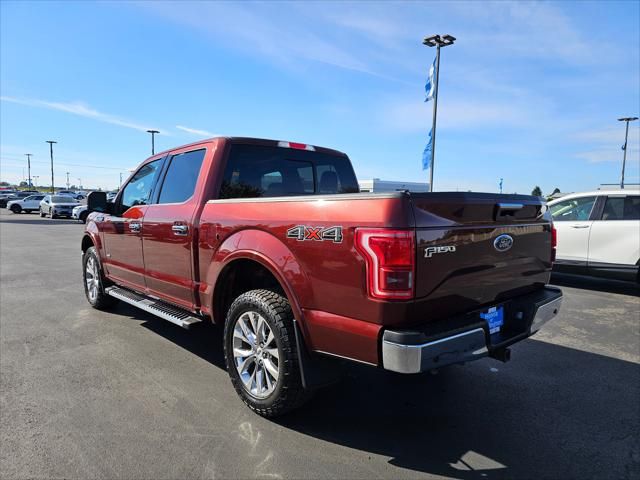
(62, 199)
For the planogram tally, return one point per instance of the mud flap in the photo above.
(316, 371)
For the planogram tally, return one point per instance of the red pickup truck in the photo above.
(273, 241)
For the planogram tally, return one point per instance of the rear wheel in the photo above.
(94, 281)
(16, 208)
(83, 217)
(261, 355)
(41, 213)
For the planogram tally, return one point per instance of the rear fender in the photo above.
(272, 254)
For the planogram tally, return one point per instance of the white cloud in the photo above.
(80, 109)
(414, 116)
(194, 131)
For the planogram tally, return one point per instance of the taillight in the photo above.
(554, 242)
(390, 256)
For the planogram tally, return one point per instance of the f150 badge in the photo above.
(430, 251)
(319, 234)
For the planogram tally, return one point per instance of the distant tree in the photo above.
(23, 184)
(5, 184)
(73, 187)
(537, 191)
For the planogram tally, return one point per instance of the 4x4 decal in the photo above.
(320, 234)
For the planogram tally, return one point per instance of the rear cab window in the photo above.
(255, 171)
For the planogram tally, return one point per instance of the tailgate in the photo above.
(477, 249)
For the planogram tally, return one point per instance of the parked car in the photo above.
(14, 196)
(27, 204)
(70, 193)
(80, 213)
(271, 240)
(599, 233)
(57, 206)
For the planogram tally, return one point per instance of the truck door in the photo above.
(169, 229)
(121, 231)
(573, 224)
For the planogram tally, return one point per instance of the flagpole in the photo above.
(436, 41)
(435, 115)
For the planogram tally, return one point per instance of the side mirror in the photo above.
(97, 202)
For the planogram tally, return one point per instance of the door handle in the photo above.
(180, 229)
(134, 226)
(579, 226)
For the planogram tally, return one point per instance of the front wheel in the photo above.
(41, 214)
(94, 281)
(261, 355)
(16, 208)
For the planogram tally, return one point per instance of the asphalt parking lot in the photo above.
(89, 394)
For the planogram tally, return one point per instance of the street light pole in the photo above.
(80, 183)
(68, 180)
(153, 145)
(624, 149)
(436, 41)
(29, 167)
(51, 142)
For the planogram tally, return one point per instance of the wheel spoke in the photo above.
(247, 332)
(273, 352)
(271, 368)
(242, 352)
(243, 365)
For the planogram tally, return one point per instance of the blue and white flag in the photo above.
(430, 86)
(426, 154)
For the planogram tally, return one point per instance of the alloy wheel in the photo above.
(255, 354)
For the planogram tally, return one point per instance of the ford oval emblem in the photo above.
(502, 243)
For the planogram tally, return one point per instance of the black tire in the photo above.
(83, 217)
(41, 214)
(100, 300)
(16, 208)
(288, 393)
(51, 215)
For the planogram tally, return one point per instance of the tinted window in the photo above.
(62, 199)
(572, 210)
(182, 175)
(138, 190)
(260, 171)
(622, 208)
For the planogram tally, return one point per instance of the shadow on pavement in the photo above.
(554, 412)
(595, 283)
(19, 219)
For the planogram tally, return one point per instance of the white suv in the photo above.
(27, 204)
(599, 233)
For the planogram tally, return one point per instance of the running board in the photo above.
(166, 311)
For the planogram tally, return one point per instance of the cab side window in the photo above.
(138, 190)
(622, 208)
(182, 175)
(573, 210)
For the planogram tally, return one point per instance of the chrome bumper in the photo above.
(461, 347)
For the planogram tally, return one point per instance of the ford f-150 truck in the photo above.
(273, 241)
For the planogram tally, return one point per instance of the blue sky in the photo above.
(529, 92)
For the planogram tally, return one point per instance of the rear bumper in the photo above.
(467, 338)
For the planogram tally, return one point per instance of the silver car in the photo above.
(57, 206)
